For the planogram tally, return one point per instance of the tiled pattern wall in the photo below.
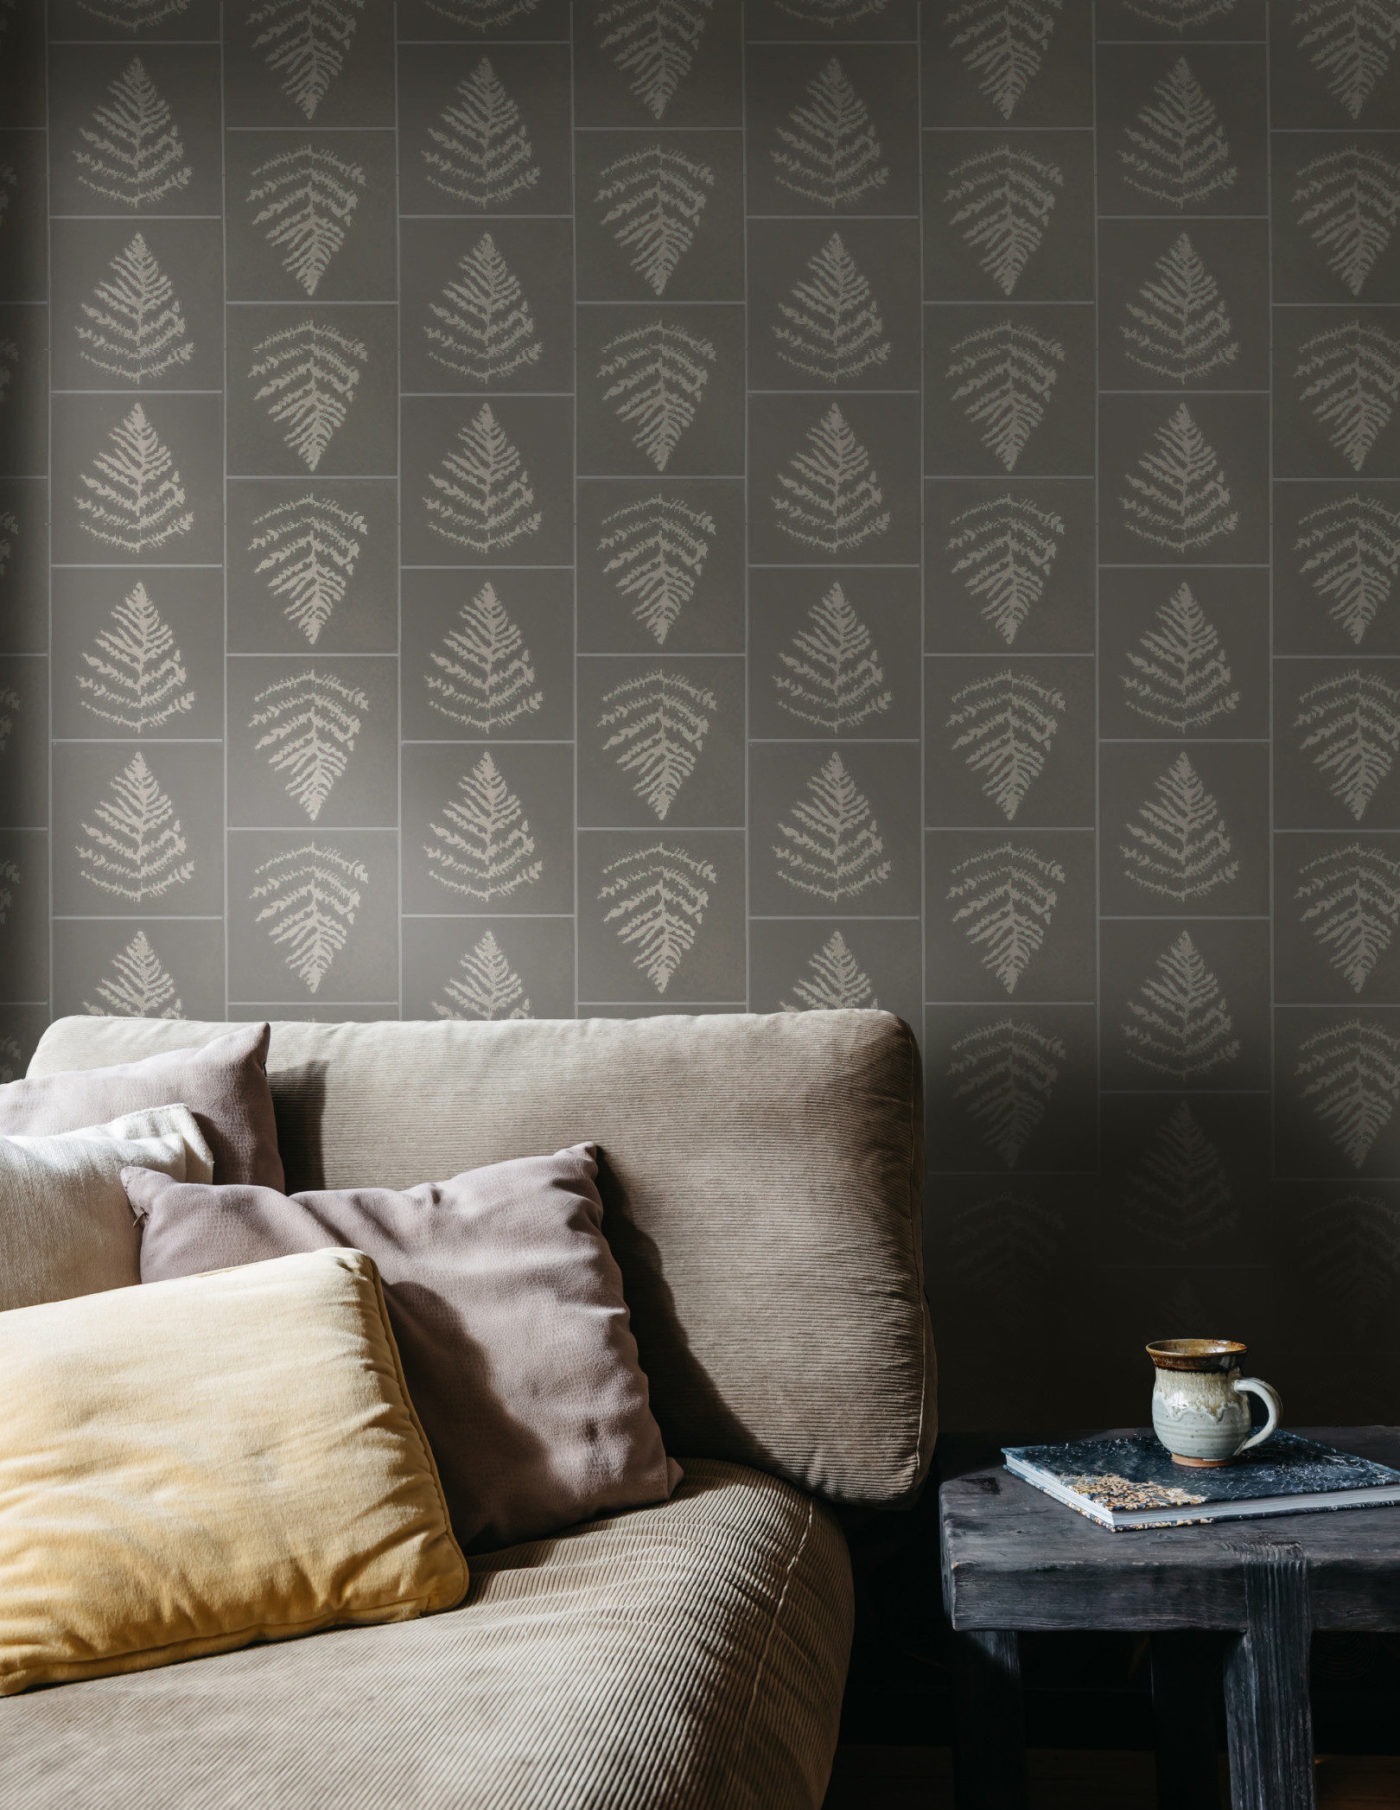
(645, 507)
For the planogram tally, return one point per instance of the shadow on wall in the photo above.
(1049, 1271)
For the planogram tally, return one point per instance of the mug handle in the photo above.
(1251, 1385)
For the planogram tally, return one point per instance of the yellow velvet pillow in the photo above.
(193, 1465)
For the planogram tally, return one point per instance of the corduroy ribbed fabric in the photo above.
(685, 1657)
(761, 1183)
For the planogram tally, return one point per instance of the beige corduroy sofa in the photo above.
(761, 1177)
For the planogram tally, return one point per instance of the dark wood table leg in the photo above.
(990, 1749)
(1185, 1704)
(1268, 1716)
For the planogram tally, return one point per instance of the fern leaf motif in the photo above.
(658, 550)
(9, 365)
(834, 982)
(1181, 849)
(134, 16)
(137, 985)
(135, 846)
(1351, 200)
(834, 679)
(1179, 153)
(1351, 897)
(310, 373)
(310, 547)
(1003, 200)
(1180, 1022)
(484, 495)
(1352, 1249)
(311, 895)
(1006, 551)
(484, 326)
(310, 722)
(1008, 723)
(483, 15)
(485, 678)
(1350, 43)
(11, 1056)
(653, 43)
(659, 896)
(1005, 376)
(304, 43)
(659, 722)
(1006, 898)
(136, 676)
(1353, 731)
(1351, 1073)
(1181, 679)
(11, 705)
(830, 495)
(1353, 554)
(653, 200)
(833, 848)
(135, 328)
(1178, 498)
(9, 182)
(656, 375)
(831, 328)
(830, 153)
(485, 986)
(1352, 375)
(1003, 1251)
(306, 200)
(1179, 327)
(1179, 1194)
(484, 848)
(479, 151)
(135, 499)
(132, 153)
(1004, 44)
(1181, 15)
(1005, 1073)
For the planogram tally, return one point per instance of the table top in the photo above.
(1013, 1557)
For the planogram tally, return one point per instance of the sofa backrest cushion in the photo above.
(760, 1178)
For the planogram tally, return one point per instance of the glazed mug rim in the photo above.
(1196, 1354)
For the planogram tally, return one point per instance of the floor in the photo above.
(921, 1778)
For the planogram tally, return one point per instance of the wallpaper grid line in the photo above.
(621, 508)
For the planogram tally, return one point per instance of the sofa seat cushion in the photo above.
(682, 1657)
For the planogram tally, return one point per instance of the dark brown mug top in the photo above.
(1195, 1354)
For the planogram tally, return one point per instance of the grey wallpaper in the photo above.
(672, 505)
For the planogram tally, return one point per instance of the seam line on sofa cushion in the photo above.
(773, 1621)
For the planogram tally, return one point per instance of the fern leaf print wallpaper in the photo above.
(511, 509)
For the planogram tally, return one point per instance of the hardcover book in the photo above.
(1132, 1481)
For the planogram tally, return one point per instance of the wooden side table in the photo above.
(1015, 1561)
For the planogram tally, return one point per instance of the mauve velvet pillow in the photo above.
(508, 1310)
(223, 1082)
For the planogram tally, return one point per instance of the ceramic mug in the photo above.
(1200, 1406)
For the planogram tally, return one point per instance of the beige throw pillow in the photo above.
(66, 1227)
(223, 1082)
(199, 1464)
(508, 1310)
